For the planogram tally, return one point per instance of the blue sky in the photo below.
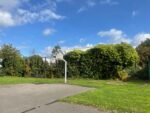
(41, 24)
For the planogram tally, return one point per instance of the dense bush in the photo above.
(58, 69)
(102, 61)
(13, 63)
(85, 65)
(128, 55)
(144, 53)
(123, 75)
(73, 59)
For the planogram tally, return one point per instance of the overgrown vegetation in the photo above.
(102, 61)
(13, 64)
(144, 53)
(109, 61)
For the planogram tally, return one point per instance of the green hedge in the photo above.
(101, 61)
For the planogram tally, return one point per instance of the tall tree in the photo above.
(144, 52)
(58, 66)
(55, 50)
(35, 63)
(12, 63)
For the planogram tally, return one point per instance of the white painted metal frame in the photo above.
(65, 70)
(59, 56)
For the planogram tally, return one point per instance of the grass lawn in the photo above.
(22, 80)
(114, 96)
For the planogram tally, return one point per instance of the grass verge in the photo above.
(114, 96)
(22, 80)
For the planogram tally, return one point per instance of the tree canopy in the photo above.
(144, 52)
(101, 61)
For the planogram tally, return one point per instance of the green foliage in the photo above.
(132, 71)
(73, 59)
(99, 62)
(85, 66)
(127, 54)
(27, 80)
(123, 75)
(56, 50)
(13, 63)
(114, 96)
(144, 53)
(105, 60)
(102, 61)
(58, 69)
(38, 67)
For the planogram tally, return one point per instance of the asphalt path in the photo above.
(40, 98)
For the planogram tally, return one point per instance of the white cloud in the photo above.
(9, 4)
(77, 47)
(109, 2)
(6, 19)
(88, 4)
(115, 36)
(47, 14)
(46, 52)
(81, 9)
(12, 12)
(89, 45)
(141, 37)
(48, 31)
(25, 16)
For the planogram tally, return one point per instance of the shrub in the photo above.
(123, 75)
(128, 55)
(133, 71)
(13, 63)
(143, 73)
(144, 52)
(101, 61)
(73, 59)
(104, 60)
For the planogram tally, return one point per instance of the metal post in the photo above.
(65, 70)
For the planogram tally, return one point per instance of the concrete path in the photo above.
(40, 98)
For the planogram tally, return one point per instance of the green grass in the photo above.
(114, 96)
(22, 80)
